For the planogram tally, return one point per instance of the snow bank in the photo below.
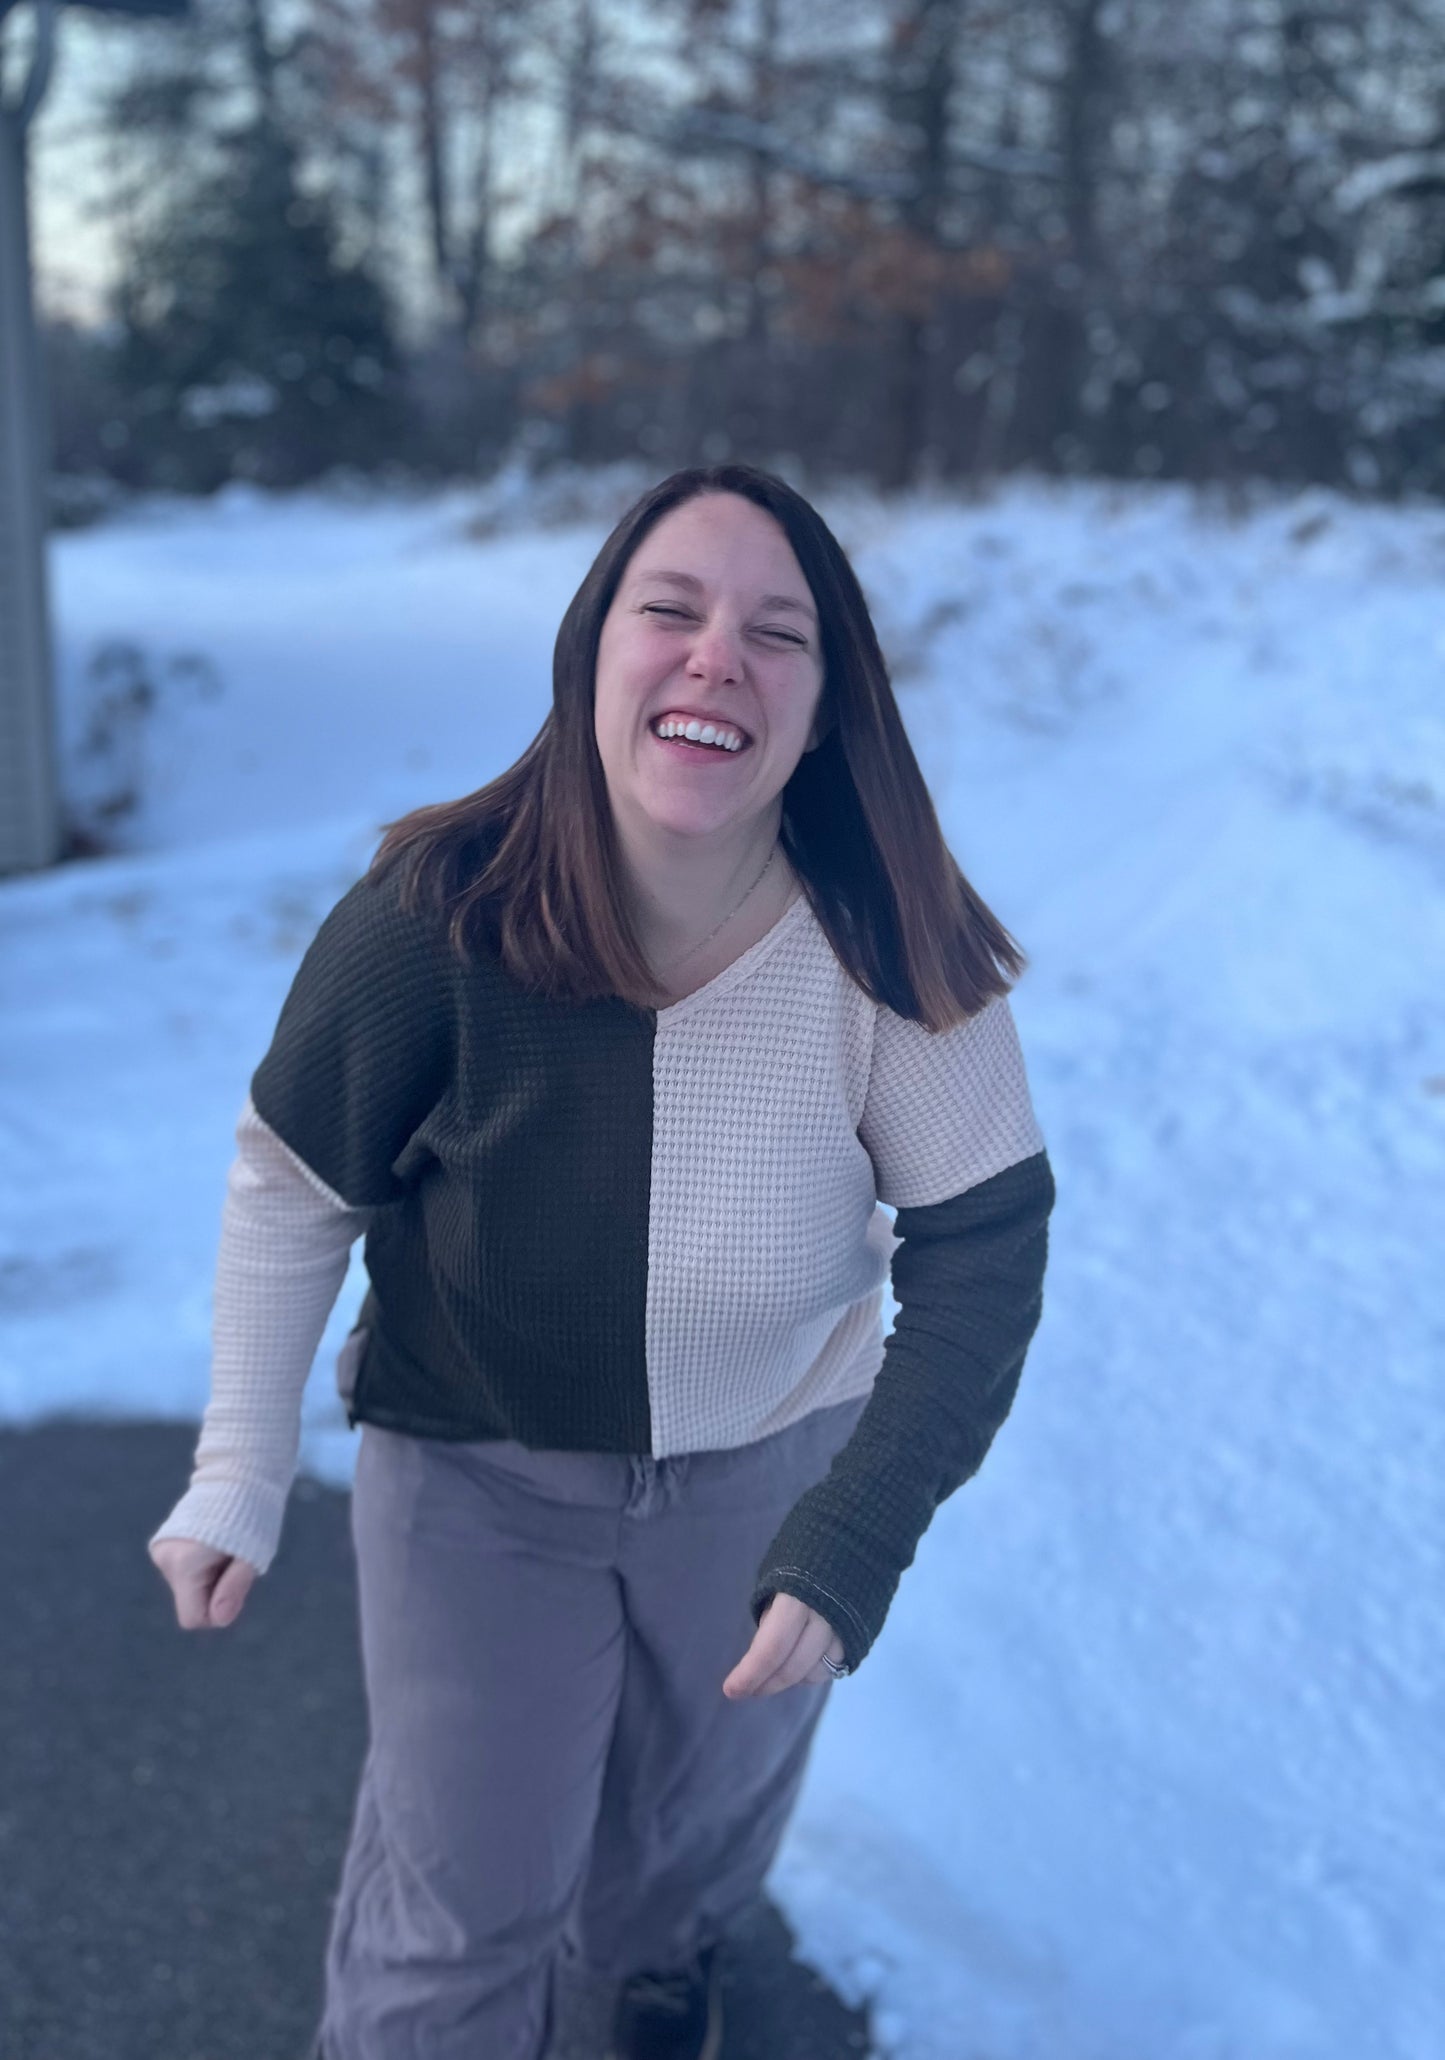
(1148, 1761)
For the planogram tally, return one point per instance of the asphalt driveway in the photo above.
(173, 1807)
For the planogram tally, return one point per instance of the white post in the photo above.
(30, 830)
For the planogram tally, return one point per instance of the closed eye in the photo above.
(787, 636)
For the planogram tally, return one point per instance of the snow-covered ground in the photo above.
(1150, 1761)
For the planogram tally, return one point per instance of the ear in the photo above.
(822, 723)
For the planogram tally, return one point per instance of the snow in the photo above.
(1148, 1760)
(1396, 173)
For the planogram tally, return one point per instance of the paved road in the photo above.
(173, 1807)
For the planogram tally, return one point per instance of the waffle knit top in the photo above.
(599, 1227)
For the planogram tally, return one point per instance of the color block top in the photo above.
(601, 1227)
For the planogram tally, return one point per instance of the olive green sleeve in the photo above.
(968, 1279)
(364, 1045)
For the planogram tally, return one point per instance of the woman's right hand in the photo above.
(210, 1586)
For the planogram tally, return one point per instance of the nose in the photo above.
(716, 654)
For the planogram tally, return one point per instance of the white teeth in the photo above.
(696, 731)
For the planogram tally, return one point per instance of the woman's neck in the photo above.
(681, 889)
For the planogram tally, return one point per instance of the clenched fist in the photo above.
(210, 1586)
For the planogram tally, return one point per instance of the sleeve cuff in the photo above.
(239, 1517)
(854, 1598)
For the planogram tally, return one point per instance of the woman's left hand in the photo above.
(789, 1646)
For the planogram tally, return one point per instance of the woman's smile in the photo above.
(698, 736)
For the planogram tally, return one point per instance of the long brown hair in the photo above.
(528, 866)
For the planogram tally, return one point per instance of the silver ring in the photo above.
(836, 1667)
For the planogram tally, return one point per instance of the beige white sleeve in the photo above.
(286, 1239)
(946, 1109)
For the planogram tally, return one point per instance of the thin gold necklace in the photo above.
(693, 951)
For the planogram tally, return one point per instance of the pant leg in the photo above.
(698, 1790)
(492, 1642)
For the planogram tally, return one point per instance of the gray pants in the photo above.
(554, 1774)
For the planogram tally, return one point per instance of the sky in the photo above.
(71, 250)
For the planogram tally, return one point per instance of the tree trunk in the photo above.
(433, 146)
(764, 55)
(260, 59)
(921, 107)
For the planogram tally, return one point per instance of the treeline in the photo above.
(899, 239)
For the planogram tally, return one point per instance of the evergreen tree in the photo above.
(250, 348)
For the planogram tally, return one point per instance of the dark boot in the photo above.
(672, 2016)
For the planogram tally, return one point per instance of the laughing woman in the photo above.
(612, 1063)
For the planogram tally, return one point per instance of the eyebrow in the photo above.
(693, 585)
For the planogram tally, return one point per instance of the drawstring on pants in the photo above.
(655, 1484)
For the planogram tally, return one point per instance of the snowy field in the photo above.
(1150, 1761)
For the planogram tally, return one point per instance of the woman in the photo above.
(612, 1063)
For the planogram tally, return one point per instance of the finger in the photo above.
(778, 1632)
(821, 1676)
(773, 1669)
(820, 1673)
(193, 1600)
(187, 1577)
(230, 1591)
(804, 1662)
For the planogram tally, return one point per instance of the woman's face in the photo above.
(713, 626)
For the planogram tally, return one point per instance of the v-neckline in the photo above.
(745, 963)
